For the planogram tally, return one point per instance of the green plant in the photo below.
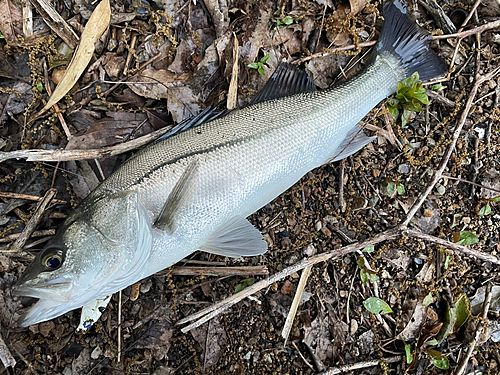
(283, 20)
(486, 209)
(1, 36)
(376, 305)
(365, 273)
(393, 187)
(410, 96)
(39, 86)
(465, 238)
(260, 65)
(243, 285)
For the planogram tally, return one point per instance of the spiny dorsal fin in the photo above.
(237, 238)
(286, 80)
(181, 192)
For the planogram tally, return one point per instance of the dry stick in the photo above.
(360, 365)
(119, 326)
(460, 35)
(35, 219)
(220, 271)
(295, 304)
(453, 246)
(456, 133)
(214, 310)
(4, 194)
(65, 155)
(38, 233)
(481, 325)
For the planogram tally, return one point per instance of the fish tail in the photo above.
(408, 42)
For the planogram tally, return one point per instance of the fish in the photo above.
(194, 190)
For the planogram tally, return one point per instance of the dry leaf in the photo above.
(357, 6)
(95, 27)
(11, 20)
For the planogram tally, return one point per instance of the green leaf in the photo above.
(261, 70)
(409, 356)
(376, 305)
(496, 199)
(486, 210)
(243, 285)
(401, 189)
(369, 249)
(265, 58)
(465, 238)
(391, 188)
(438, 359)
(364, 275)
(361, 262)
(254, 65)
(373, 277)
(432, 342)
(277, 12)
(39, 86)
(455, 317)
(1, 36)
(437, 86)
(429, 298)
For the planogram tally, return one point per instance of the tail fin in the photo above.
(409, 42)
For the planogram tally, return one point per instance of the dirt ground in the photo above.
(161, 62)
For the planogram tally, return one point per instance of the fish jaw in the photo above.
(43, 310)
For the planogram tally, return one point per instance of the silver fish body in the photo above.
(227, 168)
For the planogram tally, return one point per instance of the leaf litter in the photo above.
(182, 61)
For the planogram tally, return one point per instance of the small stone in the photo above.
(247, 356)
(385, 274)
(309, 250)
(428, 213)
(112, 44)
(466, 220)
(267, 358)
(404, 168)
(96, 352)
(287, 288)
(318, 225)
(441, 190)
(343, 293)
(375, 173)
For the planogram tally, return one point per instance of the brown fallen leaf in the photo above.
(95, 27)
(11, 20)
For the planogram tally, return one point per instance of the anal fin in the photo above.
(354, 141)
(181, 192)
(238, 238)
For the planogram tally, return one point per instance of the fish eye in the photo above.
(53, 259)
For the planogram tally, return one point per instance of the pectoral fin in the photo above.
(238, 238)
(181, 192)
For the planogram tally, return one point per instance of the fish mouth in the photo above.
(57, 290)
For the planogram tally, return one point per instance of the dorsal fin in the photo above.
(286, 80)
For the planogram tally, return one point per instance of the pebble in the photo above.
(354, 327)
(404, 168)
(96, 352)
(247, 356)
(318, 225)
(441, 190)
(428, 213)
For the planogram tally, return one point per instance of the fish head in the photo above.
(93, 254)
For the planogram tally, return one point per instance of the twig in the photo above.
(341, 186)
(38, 233)
(65, 155)
(456, 133)
(119, 326)
(439, 15)
(440, 98)
(220, 271)
(360, 365)
(303, 358)
(5, 194)
(214, 310)
(480, 326)
(35, 219)
(6, 357)
(453, 246)
(295, 304)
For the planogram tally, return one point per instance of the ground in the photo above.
(161, 62)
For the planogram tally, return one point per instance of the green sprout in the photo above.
(410, 96)
(283, 20)
(393, 187)
(39, 86)
(486, 210)
(1, 36)
(243, 285)
(260, 65)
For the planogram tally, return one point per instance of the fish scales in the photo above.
(194, 190)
